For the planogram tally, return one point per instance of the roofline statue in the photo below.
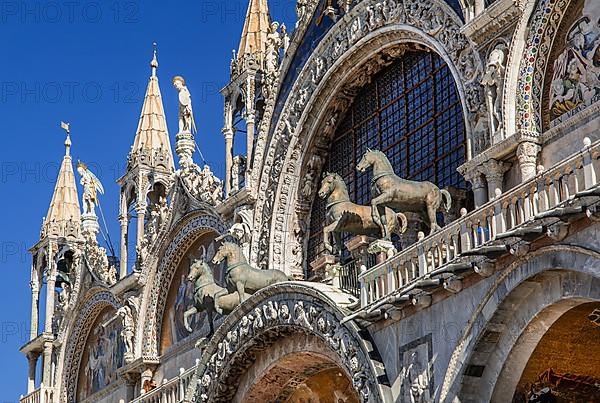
(186, 114)
(91, 187)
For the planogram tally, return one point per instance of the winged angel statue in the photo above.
(91, 187)
(186, 115)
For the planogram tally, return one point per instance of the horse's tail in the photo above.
(401, 223)
(447, 200)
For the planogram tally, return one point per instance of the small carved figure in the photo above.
(301, 10)
(243, 277)
(128, 329)
(91, 187)
(389, 190)
(342, 215)
(493, 83)
(274, 43)
(186, 115)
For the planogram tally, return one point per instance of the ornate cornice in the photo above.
(493, 21)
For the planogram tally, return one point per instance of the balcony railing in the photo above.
(543, 197)
(41, 395)
(171, 391)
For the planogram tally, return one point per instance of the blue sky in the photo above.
(87, 63)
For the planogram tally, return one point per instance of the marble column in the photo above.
(35, 306)
(47, 364)
(124, 220)
(228, 133)
(478, 186)
(527, 153)
(50, 293)
(141, 221)
(494, 174)
(250, 122)
(32, 358)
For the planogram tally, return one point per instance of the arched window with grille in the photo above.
(412, 112)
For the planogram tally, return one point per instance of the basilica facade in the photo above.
(413, 220)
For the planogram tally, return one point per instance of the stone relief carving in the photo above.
(417, 383)
(493, 83)
(279, 316)
(97, 259)
(201, 184)
(432, 17)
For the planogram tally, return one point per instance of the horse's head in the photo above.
(199, 268)
(366, 161)
(226, 250)
(327, 185)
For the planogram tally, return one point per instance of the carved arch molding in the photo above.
(99, 300)
(162, 270)
(542, 28)
(363, 41)
(274, 313)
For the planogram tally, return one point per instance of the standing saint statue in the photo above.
(91, 187)
(493, 83)
(186, 115)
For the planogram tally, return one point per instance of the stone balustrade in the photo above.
(40, 395)
(170, 391)
(537, 201)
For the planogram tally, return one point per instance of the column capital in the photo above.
(527, 152)
(494, 169)
(227, 132)
(476, 178)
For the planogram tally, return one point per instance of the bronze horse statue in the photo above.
(342, 215)
(243, 277)
(208, 295)
(389, 190)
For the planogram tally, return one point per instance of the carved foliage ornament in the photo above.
(433, 18)
(269, 321)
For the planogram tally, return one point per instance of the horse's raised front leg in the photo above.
(327, 230)
(432, 217)
(376, 204)
(241, 289)
(186, 318)
(337, 237)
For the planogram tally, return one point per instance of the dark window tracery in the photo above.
(412, 112)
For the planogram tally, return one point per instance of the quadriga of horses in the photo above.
(389, 190)
(243, 277)
(342, 215)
